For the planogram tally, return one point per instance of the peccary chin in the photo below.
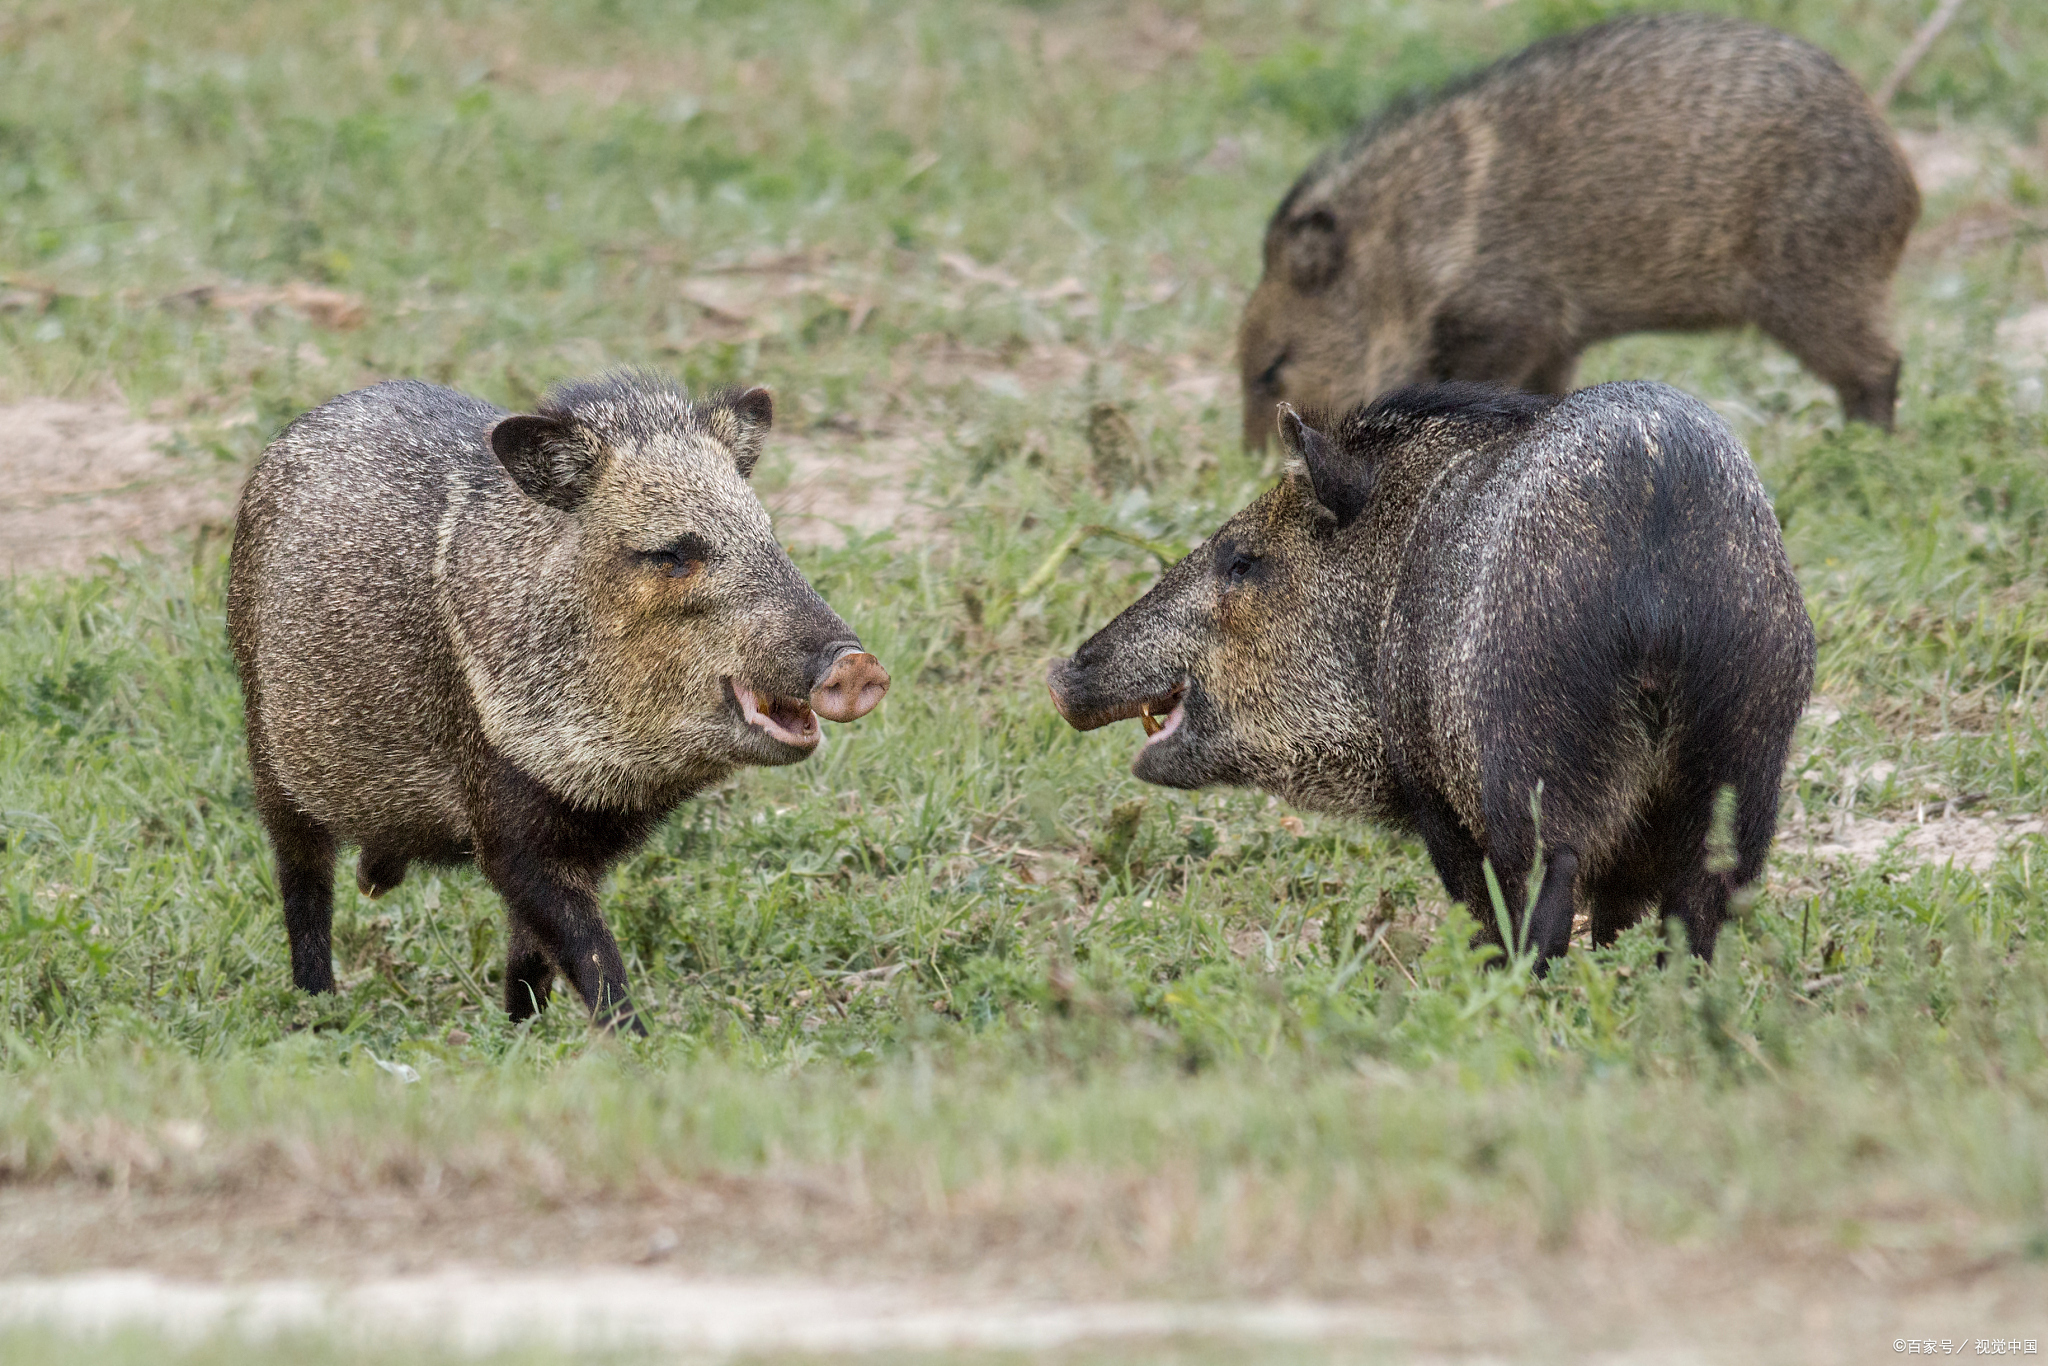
(1458, 598)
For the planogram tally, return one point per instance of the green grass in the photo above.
(1266, 1022)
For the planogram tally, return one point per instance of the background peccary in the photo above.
(522, 639)
(1666, 172)
(1461, 592)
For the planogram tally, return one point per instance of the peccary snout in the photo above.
(1078, 694)
(1059, 682)
(852, 686)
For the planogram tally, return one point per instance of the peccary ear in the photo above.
(1311, 250)
(551, 460)
(1339, 483)
(742, 421)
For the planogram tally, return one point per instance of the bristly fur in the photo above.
(1669, 171)
(462, 634)
(1587, 598)
(1486, 408)
(636, 405)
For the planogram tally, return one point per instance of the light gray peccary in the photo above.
(1462, 592)
(519, 639)
(1667, 172)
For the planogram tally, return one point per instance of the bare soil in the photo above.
(82, 480)
(1945, 159)
(823, 486)
(1972, 842)
(730, 1266)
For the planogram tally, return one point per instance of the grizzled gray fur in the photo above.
(519, 639)
(1461, 592)
(1664, 172)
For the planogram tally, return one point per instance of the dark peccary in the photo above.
(519, 639)
(1666, 172)
(1462, 592)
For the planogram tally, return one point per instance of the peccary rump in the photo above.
(1460, 593)
(523, 639)
(1671, 171)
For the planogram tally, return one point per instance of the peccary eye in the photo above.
(686, 557)
(1270, 380)
(1241, 568)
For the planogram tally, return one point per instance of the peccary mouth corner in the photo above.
(1176, 711)
(785, 720)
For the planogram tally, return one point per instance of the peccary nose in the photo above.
(851, 687)
(1056, 684)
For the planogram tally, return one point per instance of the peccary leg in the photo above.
(1518, 348)
(554, 916)
(1458, 858)
(1635, 875)
(1461, 863)
(1553, 375)
(378, 871)
(546, 858)
(1618, 897)
(305, 881)
(529, 972)
(1698, 901)
(1550, 922)
(1547, 925)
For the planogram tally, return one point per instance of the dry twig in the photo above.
(1915, 50)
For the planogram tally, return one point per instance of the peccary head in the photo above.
(1241, 661)
(652, 633)
(1324, 331)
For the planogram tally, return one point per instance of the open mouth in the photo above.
(786, 720)
(1160, 714)
(1173, 704)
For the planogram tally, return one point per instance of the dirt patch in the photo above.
(822, 487)
(1945, 159)
(81, 480)
(329, 308)
(1973, 842)
(939, 362)
(768, 295)
(483, 1271)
